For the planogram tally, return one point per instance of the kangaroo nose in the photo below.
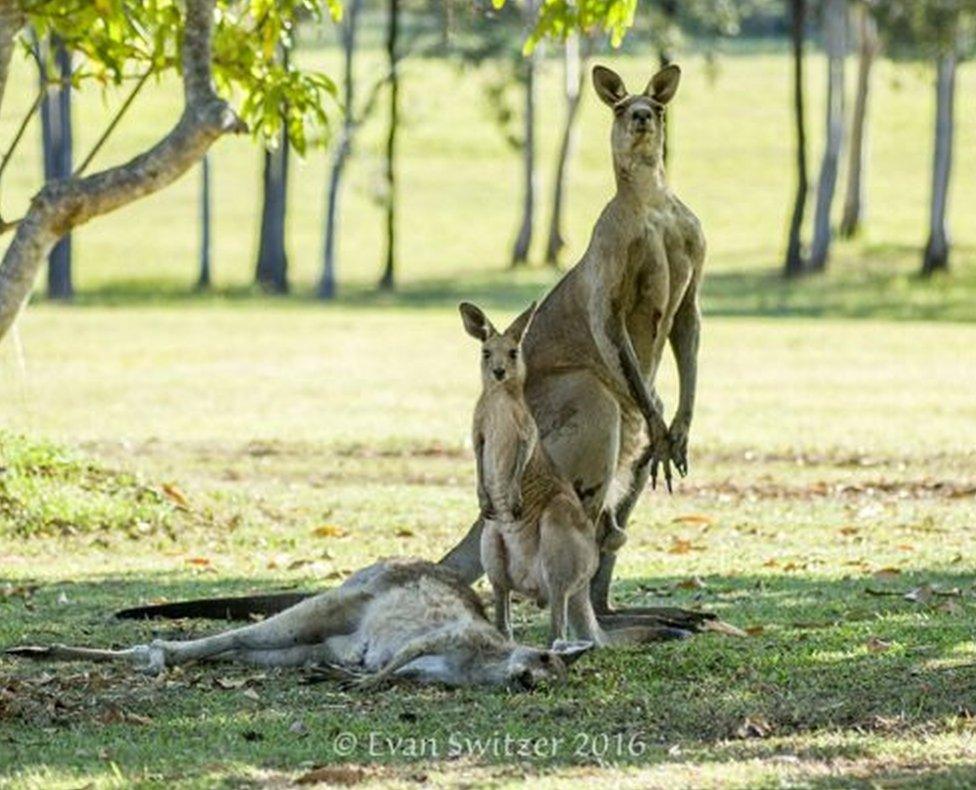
(499, 373)
(642, 116)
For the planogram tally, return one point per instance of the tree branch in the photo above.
(62, 205)
(111, 127)
(20, 131)
(11, 21)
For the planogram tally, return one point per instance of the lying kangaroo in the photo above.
(537, 538)
(395, 619)
(596, 340)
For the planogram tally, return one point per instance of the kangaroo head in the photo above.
(638, 124)
(528, 667)
(501, 352)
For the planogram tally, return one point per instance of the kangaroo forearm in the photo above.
(684, 343)
(427, 644)
(636, 385)
(479, 455)
(518, 468)
(617, 349)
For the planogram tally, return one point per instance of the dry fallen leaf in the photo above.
(683, 546)
(754, 727)
(877, 645)
(694, 583)
(721, 627)
(201, 561)
(334, 775)
(328, 531)
(887, 573)
(849, 530)
(230, 683)
(403, 532)
(174, 495)
(693, 518)
(251, 694)
(755, 630)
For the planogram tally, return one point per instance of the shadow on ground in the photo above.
(877, 282)
(824, 657)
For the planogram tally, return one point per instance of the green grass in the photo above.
(160, 444)
(826, 451)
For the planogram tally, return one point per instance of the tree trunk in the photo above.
(664, 58)
(387, 281)
(794, 264)
(835, 36)
(574, 63)
(936, 256)
(56, 141)
(867, 30)
(62, 205)
(327, 283)
(203, 281)
(523, 240)
(271, 272)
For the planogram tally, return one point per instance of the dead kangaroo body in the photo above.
(596, 340)
(396, 619)
(537, 539)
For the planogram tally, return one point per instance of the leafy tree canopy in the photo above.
(125, 39)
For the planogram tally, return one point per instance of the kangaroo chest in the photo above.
(658, 272)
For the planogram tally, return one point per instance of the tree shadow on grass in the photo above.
(824, 657)
(881, 284)
(930, 776)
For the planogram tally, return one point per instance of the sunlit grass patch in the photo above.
(48, 490)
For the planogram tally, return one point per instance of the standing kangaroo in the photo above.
(595, 343)
(592, 352)
(395, 619)
(537, 539)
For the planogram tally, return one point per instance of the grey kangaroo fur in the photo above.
(396, 619)
(591, 355)
(537, 539)
(594, 345)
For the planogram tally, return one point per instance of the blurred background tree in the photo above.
(271, 61)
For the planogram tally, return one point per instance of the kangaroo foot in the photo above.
(642, 634)
(145, 658)
(655, 616)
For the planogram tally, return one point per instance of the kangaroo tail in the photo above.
(241, 608)
(465, 558)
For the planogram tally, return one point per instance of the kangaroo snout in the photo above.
(499, 373)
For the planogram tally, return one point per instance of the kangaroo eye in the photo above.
(486, 354)
(513, 354)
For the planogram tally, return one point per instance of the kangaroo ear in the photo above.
(664, 84)
(609, 87)
(476, 323)
(570, 651)
(517, 329)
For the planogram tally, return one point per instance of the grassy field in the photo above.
(157, 445)
(732, 160)
(830, 458)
